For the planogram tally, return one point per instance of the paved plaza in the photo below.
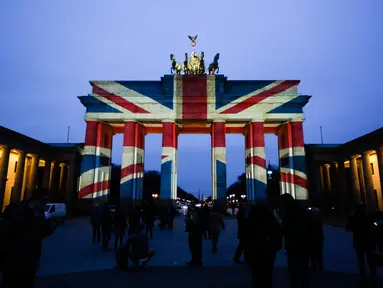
(69, 259)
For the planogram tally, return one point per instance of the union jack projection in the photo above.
(195, 104)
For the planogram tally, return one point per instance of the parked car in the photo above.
(55, 211)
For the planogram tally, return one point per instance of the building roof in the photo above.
(323, 145)
(66, 145)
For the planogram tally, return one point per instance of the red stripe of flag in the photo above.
(131, 169)
(294, 179)
(194, 98)
(251, 101)
(169, 135)
(256, 160)
(218, 135)
(119, 100)
(297, 131)
(91, 133)
(92, 188)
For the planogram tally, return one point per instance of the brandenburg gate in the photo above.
(194, 99)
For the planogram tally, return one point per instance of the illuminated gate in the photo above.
(193, 101)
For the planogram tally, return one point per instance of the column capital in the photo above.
(366, 153)
(21, 152)
(168, 121)
(259, 120)
(5, 147)
(219, 121)
(297, 120)
(352, 157)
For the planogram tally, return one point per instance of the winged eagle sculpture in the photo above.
(193, 39)
(196, 64)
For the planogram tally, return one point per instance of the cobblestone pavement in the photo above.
(70, 257)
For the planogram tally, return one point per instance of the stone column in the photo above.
(368, 182)
(169, 161)
(17, 187)
(103, 161)
(54, 183)
(344, 198)
(286, 163)
(63, 182)
(71, 182)
(327, 186)
(32, 176)
(218, 153)
(256, 178)
(355, 179)
(88, 162)
(379, 154)
(132, 168)
(4, 163)
(334, 185)
(47, 174)
(299, 161)
(96, 161)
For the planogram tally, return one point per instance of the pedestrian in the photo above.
(266, 241)
(171, 214)
(95, 221)
(134, 220)
(194, 227)
(316, 239)
(205, 221)
(241, 234)
(21, 235)
(148, 217)
(216, 225)
(362, 226)
(106, 226)
(296, 230)
(119, 227)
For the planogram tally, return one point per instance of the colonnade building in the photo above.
(342, 175)
(27, 164)
(339, 175)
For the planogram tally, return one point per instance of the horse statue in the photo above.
(186, 66)
(214, 67)
(194, 62)
(201, 64)
(175, 66)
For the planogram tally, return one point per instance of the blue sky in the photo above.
(50, 49)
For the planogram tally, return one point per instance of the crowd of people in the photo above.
(262, 232)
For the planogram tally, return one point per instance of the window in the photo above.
(372, 168)
(15, 166)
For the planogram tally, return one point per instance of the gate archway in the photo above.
(193, 103)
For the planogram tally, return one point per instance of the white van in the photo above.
(55, 211)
